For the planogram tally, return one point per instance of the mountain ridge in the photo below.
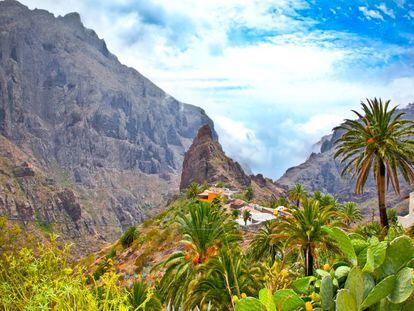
(100, 127)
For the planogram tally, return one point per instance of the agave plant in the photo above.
(380, 140)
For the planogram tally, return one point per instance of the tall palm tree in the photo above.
(380, 140)
(303, 230)
(297, 193)
(350, 213)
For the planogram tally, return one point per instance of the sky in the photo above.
(275, 76)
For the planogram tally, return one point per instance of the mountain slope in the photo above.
(321, 172)
(66, 100)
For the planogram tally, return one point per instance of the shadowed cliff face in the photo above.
(206, 162)
(68, 101)
(322, 172)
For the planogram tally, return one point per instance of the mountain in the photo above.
(322, 172)
(97, 128)
(206, 162)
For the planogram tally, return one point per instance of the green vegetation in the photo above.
(246, 216)
(193, 190)
(317, 254)
(380, 140)
(129, 236)
(249, 194)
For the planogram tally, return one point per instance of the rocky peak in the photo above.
(206, 162)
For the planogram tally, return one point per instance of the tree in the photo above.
(226, 275)
(248, 194)
(193, 190)
(262, 247)
(380, 140)
(350, 213)
(235, 213)
(304, 229)
(297, 193)
(246, 216)
(205, 229)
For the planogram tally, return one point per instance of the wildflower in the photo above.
(326, 267)
(284, 273)
(243, 296)
(275, 213)
(308, 306)
(370, 140)
(187, 257)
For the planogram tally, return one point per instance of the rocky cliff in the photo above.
(322, 172)
(206, 162)
(99, 127)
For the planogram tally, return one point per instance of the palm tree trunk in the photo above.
(381, 195)
(308, 261)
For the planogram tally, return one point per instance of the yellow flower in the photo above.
(315, 297)
(326, 267)
(284, 273)
(243, 296)
(275, 213)
(235, 298)
(308, 306)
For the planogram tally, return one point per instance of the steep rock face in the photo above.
(35, 201)
(322, 172)
(89, 120)
(205, 161)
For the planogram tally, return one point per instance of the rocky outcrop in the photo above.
(206, 162)
(90, 122)
(322, 172)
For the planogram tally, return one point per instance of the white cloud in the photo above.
(369, 14)
(271, 99)
(382, 7)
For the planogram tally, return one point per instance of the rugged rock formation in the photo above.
(90, 122)
(206, 162)
(321, 172)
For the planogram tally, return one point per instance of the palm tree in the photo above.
(297, 193)
(262, 247)
(303, 230)
(246, 216)
(141, 297)
(205, 229)
(193, 190)
(249, 194)
(380, 140)
(222, 277)
(350, 213)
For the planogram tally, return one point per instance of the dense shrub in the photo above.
(129, 236)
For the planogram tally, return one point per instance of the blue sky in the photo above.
(274, 76)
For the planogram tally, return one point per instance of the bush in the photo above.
(129, 236)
